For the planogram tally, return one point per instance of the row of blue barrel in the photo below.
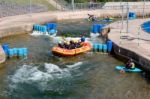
(40, 28)
(132, 15)
(103, 47)
(50, 28)
(10, 52)
(97, 28)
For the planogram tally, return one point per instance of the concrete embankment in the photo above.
(2, 55)
(134, 44)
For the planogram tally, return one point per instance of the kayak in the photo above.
(70, 52)
(105, 20)
(128, 70)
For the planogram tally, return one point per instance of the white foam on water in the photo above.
(31, 74)
(75, 65)
(37, 33)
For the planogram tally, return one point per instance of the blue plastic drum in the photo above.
(5, 48)
(104, 48)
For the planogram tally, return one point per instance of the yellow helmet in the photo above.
(67, 43)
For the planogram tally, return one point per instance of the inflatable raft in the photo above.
(66, 52)
(128, 70)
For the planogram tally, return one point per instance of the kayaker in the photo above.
(130, 64)
(106, 18)
(91, 17)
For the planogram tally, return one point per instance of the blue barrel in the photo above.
(10, 53)
(95, 28)
(109, 45)
(95, 47)
(104, 48)
(54, 26)
(100, 47)
(38, 28)
(5, 48)
(20, 52)
(53, 31)
(15, 51)
(25, 52)
(49, 26)
(44, 29)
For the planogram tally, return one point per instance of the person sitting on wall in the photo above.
(130, 64)
(91, 17)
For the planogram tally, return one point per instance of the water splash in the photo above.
(37, 33)
(76, 65)
(32, 74)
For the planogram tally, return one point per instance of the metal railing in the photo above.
(31, 6)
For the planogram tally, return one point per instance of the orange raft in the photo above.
(65, 52)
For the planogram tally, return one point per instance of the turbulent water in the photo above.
(43, 75)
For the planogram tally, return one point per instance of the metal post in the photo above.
(127, 17)
(122, 17)
(72, 2)
(30, 7)
(139, 30)
(143, 9)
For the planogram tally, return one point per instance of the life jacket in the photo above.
(132, 65)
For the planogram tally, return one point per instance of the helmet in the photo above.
(67, 43)
(75, 41)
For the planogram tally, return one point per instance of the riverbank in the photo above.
(2, 55)
(134, 44)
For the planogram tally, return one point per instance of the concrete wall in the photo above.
(2, 55)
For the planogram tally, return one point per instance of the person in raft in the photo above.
(130, 64)
(60, 44)
(91, 17)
